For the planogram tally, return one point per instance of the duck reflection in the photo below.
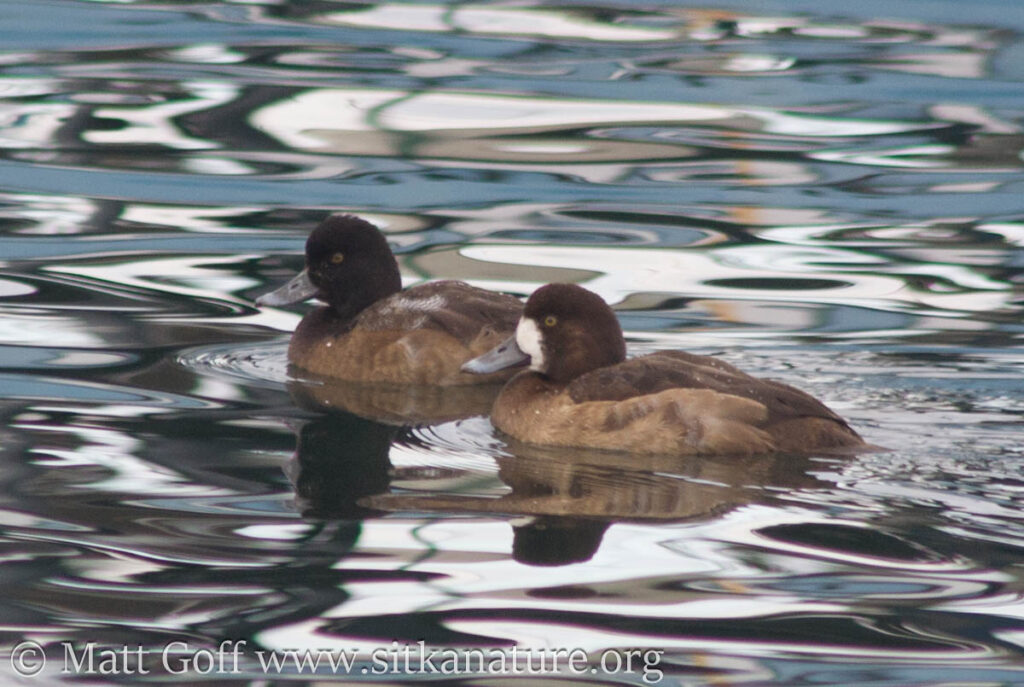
(339, 459)
(566, 499)
(342, 453)
(400, 405)
(559, 502)
(552, 541)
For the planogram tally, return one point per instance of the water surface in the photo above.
(826, 194)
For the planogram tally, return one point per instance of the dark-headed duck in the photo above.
(370, 330)
(581, 391)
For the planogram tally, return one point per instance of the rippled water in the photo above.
(825, 193)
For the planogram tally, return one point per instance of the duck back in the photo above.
(418, 336)
(794, 419)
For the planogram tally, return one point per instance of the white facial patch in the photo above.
(528, 338)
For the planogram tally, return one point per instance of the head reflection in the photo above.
(339, 459)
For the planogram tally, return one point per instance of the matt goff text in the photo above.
(231, 658)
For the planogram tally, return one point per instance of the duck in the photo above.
(370, 330)
(580, 391)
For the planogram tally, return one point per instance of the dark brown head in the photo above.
(568, 331)
(349, 265)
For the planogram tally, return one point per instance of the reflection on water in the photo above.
(827, 195)
(567, 498)
(394, 404)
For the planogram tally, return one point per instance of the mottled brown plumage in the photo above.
(372, 331)
(392, 342)
(580, 391)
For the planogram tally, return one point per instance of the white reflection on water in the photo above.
(116, 454)
(694, 273)
(32, 125)
(914, 157)
(553, 634)
(156, 123)
(203, 220)
(205, 53)
(47, 214)
(10, 288)
(315, 118)
(494, 20)
(201, 279)
(42, 329)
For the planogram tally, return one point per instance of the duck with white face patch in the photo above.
(528, 338)
(580, 391)
(522, 347)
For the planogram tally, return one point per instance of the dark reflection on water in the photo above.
(339, 460)
(829, 195)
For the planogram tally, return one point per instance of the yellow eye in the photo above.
(550, 321)
(337, 257)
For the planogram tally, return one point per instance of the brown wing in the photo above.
(663, 370)
(454, 307)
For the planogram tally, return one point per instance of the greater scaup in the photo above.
(581, 391)
(370, 330)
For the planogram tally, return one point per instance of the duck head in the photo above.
(565, 331)
(349, 266)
